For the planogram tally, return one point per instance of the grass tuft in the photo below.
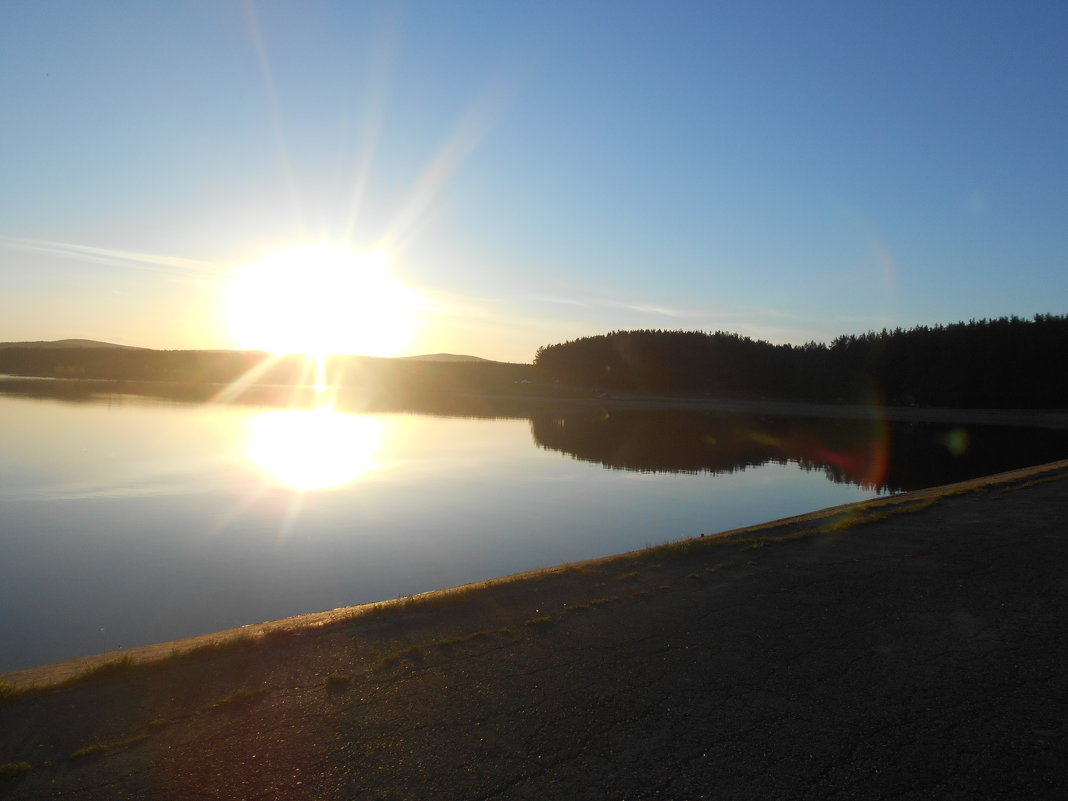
(539, 621)
(478, 635)
(98, 749)
(413, 653)
(242, 699)
(9, 693)
(215, 646)
(12, 770)
(103, 671)
(386, 662)
(338, 682)
(1036, 481)
(718, 566)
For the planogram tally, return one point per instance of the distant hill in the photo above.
(69, 343)
(428, 376)
(443, 357)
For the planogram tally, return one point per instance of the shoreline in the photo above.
(525, 402)
(906, 647)
(48, 675)
(1037, 418)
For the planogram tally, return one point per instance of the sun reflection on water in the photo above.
(316, 449)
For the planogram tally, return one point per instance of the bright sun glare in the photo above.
(308, 450)
(319, 300)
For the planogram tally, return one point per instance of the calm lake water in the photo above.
(127, 520)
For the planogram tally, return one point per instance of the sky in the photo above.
(525, 173)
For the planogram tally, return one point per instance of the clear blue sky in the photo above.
(536, 171)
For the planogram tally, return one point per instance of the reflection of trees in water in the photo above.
(105, 391)
(350, 399)
(668, 441)
(870, 453)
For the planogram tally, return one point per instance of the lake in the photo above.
(128, 519)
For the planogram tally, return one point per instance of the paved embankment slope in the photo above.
(905, 648)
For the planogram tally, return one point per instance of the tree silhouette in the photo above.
(1003, 363)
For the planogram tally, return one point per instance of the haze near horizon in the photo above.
(390, 178)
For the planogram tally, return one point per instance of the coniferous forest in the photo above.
(1004, 363)
(1008, 363)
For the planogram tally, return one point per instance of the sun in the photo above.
(319, 300)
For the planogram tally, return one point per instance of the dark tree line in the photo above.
(1004, 363)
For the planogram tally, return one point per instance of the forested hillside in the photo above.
(1004, 363)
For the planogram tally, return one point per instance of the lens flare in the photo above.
(956, 441)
